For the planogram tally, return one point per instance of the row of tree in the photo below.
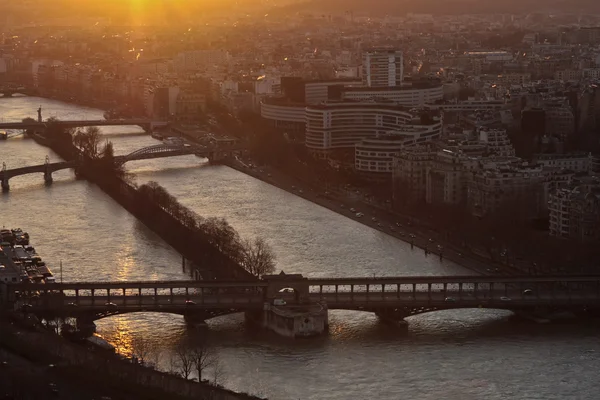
(184, 360)
(255, 256)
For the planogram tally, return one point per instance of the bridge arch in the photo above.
(159, 150)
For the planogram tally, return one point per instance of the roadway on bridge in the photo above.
(500, 299)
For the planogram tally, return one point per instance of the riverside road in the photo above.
(455, 354)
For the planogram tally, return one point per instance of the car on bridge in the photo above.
(190, 303)
(110, 305)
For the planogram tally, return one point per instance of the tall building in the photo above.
(383, 68)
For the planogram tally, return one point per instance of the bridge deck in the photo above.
(152, 152)
(410, 294)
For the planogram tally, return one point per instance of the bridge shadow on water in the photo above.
(455, 330)
(165, 172)
(28, 187)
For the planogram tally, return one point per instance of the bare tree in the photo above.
(184, 361)
(142, 349)
(257, 257)
(203, 358)
(218, 372)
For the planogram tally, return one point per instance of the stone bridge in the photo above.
(146, 124)
(213, 153)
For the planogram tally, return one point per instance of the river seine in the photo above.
(461, 354)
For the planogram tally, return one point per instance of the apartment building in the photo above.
(383, 68)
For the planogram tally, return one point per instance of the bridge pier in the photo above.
(47, 177)
(196, 320)
(5, 185)
(86, 326)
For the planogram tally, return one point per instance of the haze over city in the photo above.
(299, 199)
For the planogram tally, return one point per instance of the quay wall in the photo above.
(191, 244)
(41, 346)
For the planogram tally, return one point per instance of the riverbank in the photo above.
(385, 222)
(77, 372)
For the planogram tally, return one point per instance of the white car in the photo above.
(504, 298)
(450, 299)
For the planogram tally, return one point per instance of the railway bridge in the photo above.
(391, 298)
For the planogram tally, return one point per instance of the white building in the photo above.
(383, 67)
(577, 162)
(415, 95)
(375, 156)
(341, 125)
(284, 115)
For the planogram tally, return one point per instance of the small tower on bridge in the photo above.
(47, 171)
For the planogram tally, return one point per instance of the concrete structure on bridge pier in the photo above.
(8, 90)
(293, 305)
(213, 153)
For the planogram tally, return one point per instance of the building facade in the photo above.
(341, 125)
(575, 211)
(374, 157)
(415, 95)
(383, 68)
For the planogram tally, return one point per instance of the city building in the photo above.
(410, 95)
(383, 68)
(339, 126)
(374, 156)
(575, 210)
(300, 90)
(409, 174)
(284, 115)
(495, 186)
(446, 178)
(467, 105)
(497, 142)
(576, 162)
(190, 106)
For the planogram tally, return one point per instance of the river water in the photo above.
(461, 354)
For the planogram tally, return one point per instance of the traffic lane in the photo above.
(408, 297)
(515, 298)
(102, 301)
